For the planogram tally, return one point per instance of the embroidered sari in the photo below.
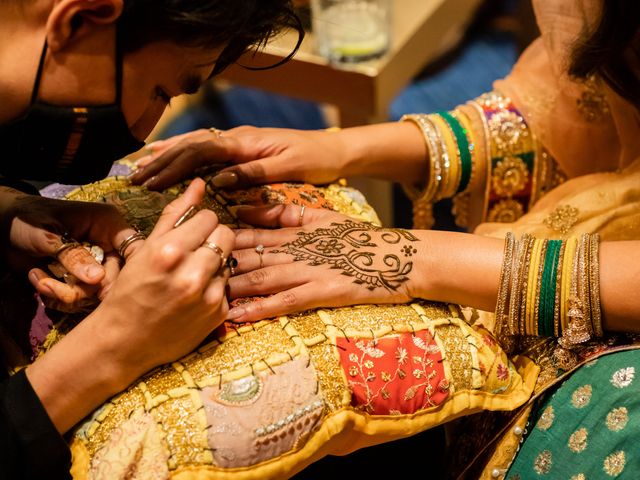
(588, 132)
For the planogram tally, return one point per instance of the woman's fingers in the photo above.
(252, 237)
(207, 260)
(259, 257)
(62, 296)
(289, 215)
(267, 280)
(175, 210)
(289, 301)
(112, 267)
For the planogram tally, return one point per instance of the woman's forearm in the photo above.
(78, 374)
(620, 286)
(390, 151)
(458, 268)
(465, 269)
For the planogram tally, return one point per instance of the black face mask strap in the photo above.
(36, 83)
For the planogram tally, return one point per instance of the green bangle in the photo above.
(548, 290)
(463, 148)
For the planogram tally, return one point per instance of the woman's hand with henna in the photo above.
(331, 261)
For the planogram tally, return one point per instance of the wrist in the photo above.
(80, 372)
(421, 282)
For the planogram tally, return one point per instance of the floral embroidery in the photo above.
(582, 396)
(546, 419)
(623, 377)
(543, 463)
(398, 374)
(503, 372)
(562, 219)
(578, 440)
(614, 464)
(617, 419)
(579, 476)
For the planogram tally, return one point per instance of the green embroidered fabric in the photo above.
(589, 427)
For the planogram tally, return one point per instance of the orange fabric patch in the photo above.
(399, 374)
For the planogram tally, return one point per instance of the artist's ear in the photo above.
(70, 19)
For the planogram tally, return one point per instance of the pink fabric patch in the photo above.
(400, 374)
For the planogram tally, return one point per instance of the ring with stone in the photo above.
(232, 263)
(217, 132)
(260, 252)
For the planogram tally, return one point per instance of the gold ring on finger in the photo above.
(301, 218)
(216, 249)
(260, 251)
(126, 243)
(216, 132)
(66, 244)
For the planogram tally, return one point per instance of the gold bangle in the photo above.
(501, 317)
(594, 282)
(533, 287)
(431, 138)
(585, 292)
(556, 301)
(451, 166)
(520, 267)
(569, 254)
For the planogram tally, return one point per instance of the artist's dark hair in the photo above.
(601, 51)
(240, 25)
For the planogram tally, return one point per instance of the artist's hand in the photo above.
(36, 230)
(171, 294)
(252, 156)
(331, 261)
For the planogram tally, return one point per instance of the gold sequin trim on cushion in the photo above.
(365, 317)
(330, 376)
(546, 419)
(162, 380)
(116, 413)
(308, 325)
(617, 419)
(543, 463)
(614, 464)
(623, 377)
(578, 440)
(582, 396)
(249, 346)
(457, 355)
(185, 431)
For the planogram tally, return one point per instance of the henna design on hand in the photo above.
(350, 246)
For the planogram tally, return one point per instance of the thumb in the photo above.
(79, 262)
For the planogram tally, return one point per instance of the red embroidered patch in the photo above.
(399, 374)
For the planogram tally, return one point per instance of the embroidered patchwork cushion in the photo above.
(266, 400)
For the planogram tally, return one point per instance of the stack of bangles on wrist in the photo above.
(448, 138)
(550, 288)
